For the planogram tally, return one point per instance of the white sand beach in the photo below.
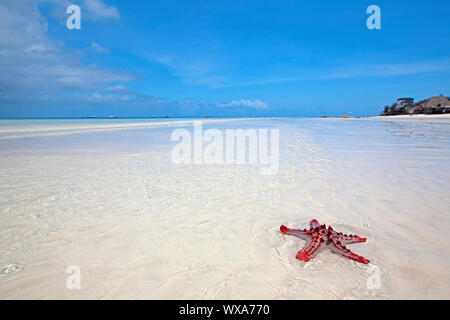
(415, 117)
(108, 199)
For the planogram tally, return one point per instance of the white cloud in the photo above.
(39, 70)
(356, 71)
(99, 9)
(98, 48)
(191, 69)
(119, 89)
(206, 71)
(254, 104)
(35, 65)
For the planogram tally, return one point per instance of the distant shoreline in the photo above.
(414, 116)
(386, 117)
(125, 118)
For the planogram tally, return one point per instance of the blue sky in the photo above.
(219, 58)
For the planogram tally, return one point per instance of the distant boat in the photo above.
(112, 116)
(89, 117)
(164, 116)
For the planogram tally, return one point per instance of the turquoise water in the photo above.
(16, 128)
(81, 121)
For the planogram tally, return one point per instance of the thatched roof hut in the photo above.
(436, 101)
(433, 104)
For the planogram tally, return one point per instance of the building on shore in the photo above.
(434, 105)
(405, 103)
(437, 104)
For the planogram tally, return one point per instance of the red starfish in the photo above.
(318, 235)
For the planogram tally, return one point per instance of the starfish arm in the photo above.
(339, 248)
(310, 249)
(300, 233)
(350, 238)
(314, 223)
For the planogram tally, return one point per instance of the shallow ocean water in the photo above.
(106, 197)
